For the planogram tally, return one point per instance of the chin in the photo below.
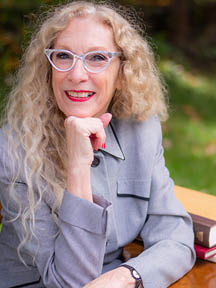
(80, 115)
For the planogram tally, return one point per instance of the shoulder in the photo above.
(145, 131)
(140, 142)
(4, 137)
(4, 144)
(149, 125)
(4, 154)
(8, 158)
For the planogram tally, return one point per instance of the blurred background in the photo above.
(182, 34)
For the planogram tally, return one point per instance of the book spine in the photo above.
(203, 252)
(201, 233)
(200, 254)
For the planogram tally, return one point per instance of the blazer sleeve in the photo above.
(167, 234)
(70, 256)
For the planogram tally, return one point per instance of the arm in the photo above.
(167, 233)
(82, 136)
(118, 278)
(72, 256)
(78, 133)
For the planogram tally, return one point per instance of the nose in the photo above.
(78, 73)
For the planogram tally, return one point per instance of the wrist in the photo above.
(134, 274)
(78, 181)
(125, 277)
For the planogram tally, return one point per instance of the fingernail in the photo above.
(96, 148)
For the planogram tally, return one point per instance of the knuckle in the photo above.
(99, 124)
(71, 121)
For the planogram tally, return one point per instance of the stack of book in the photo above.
(202, 208)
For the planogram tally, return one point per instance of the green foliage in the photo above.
(17, 22)
(190, 133)
(161, 46)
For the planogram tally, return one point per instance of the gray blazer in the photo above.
(133, 195)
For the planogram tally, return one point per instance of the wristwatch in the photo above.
(134, 274)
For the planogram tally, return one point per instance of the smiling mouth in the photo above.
(79, 96)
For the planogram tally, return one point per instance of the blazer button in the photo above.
(95, 162)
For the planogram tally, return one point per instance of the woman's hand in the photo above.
(82, 136)
(117, 278)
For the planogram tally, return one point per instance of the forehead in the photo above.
(83, 33)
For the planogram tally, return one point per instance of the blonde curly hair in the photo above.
(32, 111)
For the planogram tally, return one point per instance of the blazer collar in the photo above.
(113, 146)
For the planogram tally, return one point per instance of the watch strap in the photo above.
(134, 274)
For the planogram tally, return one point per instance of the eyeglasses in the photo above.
(93, 61)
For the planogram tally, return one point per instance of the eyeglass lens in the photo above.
(94, 61)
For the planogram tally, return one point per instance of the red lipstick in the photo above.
(75, 95)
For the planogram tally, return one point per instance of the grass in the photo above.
(190, 132)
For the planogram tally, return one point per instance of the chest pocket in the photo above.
(139, 189)
(131, 205)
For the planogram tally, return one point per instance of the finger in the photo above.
(105, 118)
(68, 121)
(99, 140)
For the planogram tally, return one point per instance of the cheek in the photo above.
(56, 81)
(105, 89)
(108, 82)
(113, 78)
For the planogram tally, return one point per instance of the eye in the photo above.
(97, 57)
(62, 55)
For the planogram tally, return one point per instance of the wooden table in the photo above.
(203, 274)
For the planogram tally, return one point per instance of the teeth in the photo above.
(79, 94)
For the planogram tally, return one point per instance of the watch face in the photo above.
(135, 274)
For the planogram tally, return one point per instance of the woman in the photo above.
(76, 185)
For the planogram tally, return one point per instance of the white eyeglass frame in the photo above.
(110, 55)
